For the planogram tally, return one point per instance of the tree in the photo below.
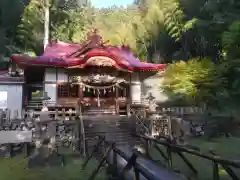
(9, 19)
(65, 24)
(194, 80)
(31, 30)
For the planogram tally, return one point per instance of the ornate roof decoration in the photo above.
(96, 79)
(94, 37)
(99, 78)
(92, 52)
(100, 61)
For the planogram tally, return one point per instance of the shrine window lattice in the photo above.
(67, 90)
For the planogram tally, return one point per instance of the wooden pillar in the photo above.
(56, 86)
(129, 100)
(129, 96)
(116, 100)
(129, 90)
(80, 92)
(81, 141)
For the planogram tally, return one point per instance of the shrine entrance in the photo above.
(105, 98)
(100, 91)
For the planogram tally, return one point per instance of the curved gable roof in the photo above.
(63, 54)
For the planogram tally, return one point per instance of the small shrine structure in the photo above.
(104, 77)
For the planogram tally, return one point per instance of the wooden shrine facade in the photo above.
(96, 87)
(92, 72)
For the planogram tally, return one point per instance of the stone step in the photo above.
(99, 110)
(116, 129)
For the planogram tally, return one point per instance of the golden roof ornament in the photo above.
(94, 37)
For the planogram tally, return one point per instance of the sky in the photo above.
(107, 3)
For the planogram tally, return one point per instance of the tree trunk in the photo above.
(46, 23)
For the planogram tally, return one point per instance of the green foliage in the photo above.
(174, 20)
(69, 24)
(10, 13)
(17, 168)
(30, 31)
(231, 40)
(231, 62)
(206, 28)
(115, 25)
(192, 80)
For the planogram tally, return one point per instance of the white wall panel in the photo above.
(14, 98)
(50, 74)
(135, 88)
(50, 83)
(62, 75)
(51, 90)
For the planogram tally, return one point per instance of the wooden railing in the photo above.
(139, 168)
(171, 149)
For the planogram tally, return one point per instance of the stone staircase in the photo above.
(99, 111)
(115, 128)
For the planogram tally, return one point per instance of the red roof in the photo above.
(62, 54)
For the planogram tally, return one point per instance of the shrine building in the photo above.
(106, 78)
